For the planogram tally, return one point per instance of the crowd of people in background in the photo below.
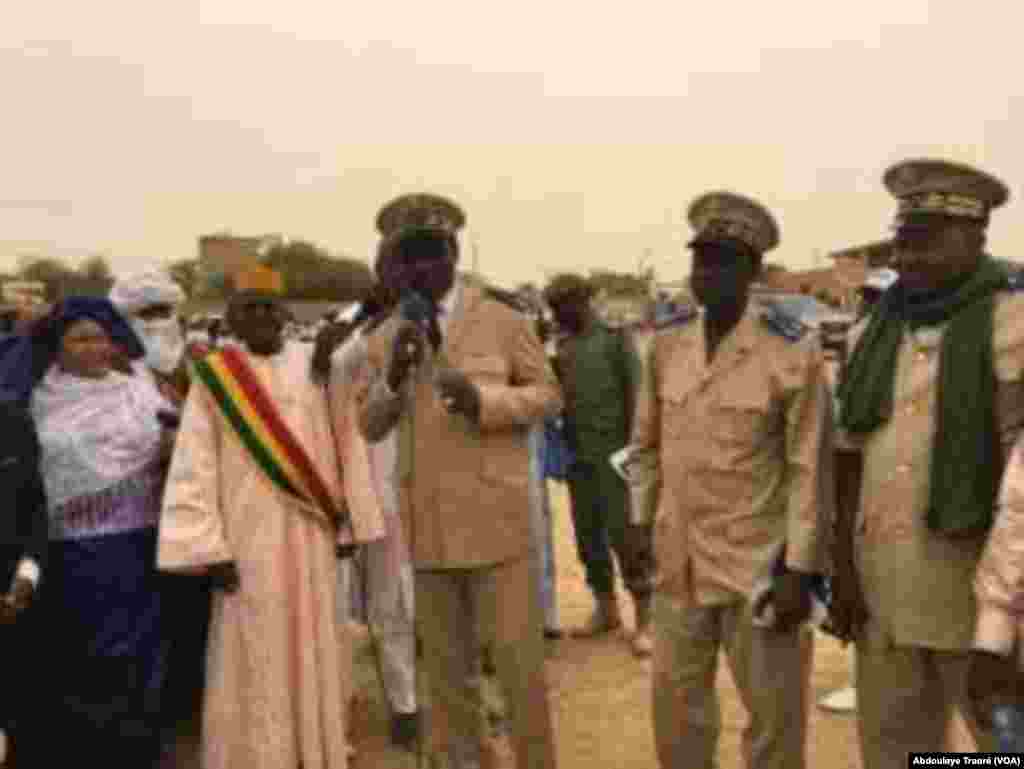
(195, 509)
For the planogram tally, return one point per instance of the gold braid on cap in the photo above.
(948, 203)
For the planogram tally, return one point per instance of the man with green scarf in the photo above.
(933, 397)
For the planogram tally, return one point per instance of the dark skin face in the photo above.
(721, 277)
(572, 314)
(258, 321)
(86, 350)
(933, 254)
(426, 263)
(720, 280)
(155, 312)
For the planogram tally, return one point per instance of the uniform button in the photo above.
(921, 357)
(904, 468)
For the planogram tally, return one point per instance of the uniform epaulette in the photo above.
(1015, 280)
(675, 319)
(782, 323)
(506, 298)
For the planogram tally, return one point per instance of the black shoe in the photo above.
(405, 730)
(554, 633)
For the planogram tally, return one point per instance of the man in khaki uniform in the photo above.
(735, 415)
(463, 377)
(933, 398)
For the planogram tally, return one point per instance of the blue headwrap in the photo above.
(25, 358)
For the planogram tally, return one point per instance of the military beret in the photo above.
(929, 187)
(725, 216)
(567, 286)
(420, 212)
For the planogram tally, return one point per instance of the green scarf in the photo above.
(966, 461)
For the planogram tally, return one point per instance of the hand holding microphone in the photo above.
(408, 348)
(407, 351)
(458, 393)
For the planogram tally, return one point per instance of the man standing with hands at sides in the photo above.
(729, 427)
(933, 399)
(23, 543)
(600, 372)
(254, 500)
(462, 377)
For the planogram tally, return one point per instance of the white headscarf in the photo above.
(162, 337)
(145, 289)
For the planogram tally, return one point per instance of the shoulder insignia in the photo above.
(783, 324)
(1015, 280)
(680, 318)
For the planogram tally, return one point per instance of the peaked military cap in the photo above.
(719, 216)
(419, 212)
(928, 187)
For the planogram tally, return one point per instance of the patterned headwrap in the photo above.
(25, 358)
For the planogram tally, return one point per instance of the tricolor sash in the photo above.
(245, 404)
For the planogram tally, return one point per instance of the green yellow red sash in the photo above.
(247, 407)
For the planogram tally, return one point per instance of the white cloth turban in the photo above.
(145, 289)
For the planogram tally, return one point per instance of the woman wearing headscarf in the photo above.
(102, 449)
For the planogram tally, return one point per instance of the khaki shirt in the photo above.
(739, 447)
(918, 585)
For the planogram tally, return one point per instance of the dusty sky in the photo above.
(574, 133)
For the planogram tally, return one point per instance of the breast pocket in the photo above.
(742, 416)
(673, 415)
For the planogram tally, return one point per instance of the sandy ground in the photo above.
(601, 694)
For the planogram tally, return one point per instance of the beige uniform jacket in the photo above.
(918, 585)
(738, 447)
(465, 489)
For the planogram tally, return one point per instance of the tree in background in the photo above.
(622, 284)
(311, 273)
(92, 278)
(185, 272)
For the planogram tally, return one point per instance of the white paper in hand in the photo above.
(621, 462)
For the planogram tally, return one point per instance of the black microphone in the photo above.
(421, 311)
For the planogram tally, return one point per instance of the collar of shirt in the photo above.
(448, 304)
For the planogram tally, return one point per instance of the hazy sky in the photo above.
(573, 134)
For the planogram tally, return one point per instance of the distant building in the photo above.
(826, 284)
(854, 263)
(222, 256)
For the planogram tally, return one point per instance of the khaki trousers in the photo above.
(459, 611)
(905, 699)
(770, 671)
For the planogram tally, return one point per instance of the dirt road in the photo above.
(601, 694)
